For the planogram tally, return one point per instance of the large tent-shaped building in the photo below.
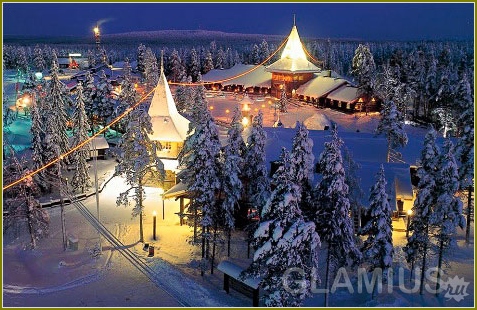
(293, 68)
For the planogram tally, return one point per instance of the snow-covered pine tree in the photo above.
(127, 97)
(89, 94)
(283, 102)
(332, 210)
(141, 53)
(22, 61)
(446, 111)
(418, 241)
(193, 67)
(255, 170)
(264, 51)
(200, 159)
(447, 213)
(391, 125)
(176, 68)
(181, 96)
(81, 179)
(255, 55)
(301, 167)
(55, 115)
(38, 136)
(151, 72)
(355, 191)
(431, 84)
(231, 171)
(199, 101)
(38, 59)
(465, 144)
(220, 59)
(283, 240)
(137, 159)
(378, 247)
(208, 64)
(19, 203)
(364, 69)
(104, 101)
(416, 72)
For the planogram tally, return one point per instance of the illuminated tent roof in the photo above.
(293, 57)
(168, 125)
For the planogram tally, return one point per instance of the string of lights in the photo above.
(311, 56)
(237, 75)
(80, 145)
(117, 119)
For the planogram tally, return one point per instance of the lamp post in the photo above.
(409, 213)
(154, 225)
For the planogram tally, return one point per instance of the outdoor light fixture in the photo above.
(409, 213)
(245, 121)
(154, 225)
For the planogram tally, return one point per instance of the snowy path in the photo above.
(115, 278)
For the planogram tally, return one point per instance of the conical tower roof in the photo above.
(293, 59)
(294, 48)
(167, 124)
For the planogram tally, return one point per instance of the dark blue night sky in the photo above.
(367, 21)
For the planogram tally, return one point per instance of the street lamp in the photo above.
(154, 225)
(409, 213)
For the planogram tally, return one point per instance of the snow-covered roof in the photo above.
(398, 180)
(234, 271)
(320, 86)
(167, 124)
(100, 143)
(177, 190)
(366, 149)
(346, 93)
(293, 57)
(258, 77)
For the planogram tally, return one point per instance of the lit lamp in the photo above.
(245, 121)
(409, 213)
(154, 225)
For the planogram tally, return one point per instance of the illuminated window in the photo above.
(166, 145)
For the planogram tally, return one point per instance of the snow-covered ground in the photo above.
(51, 277)
(48, 276)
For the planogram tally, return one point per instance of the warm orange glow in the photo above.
(96, 30)
(256, 110)
(246, 107)
(227, 111)
(263, 106)
(211, 107)
(154, 213)
(245, 121)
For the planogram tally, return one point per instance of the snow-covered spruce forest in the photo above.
(416, 68)
(428, 82)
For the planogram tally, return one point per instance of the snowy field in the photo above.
(51, 277)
